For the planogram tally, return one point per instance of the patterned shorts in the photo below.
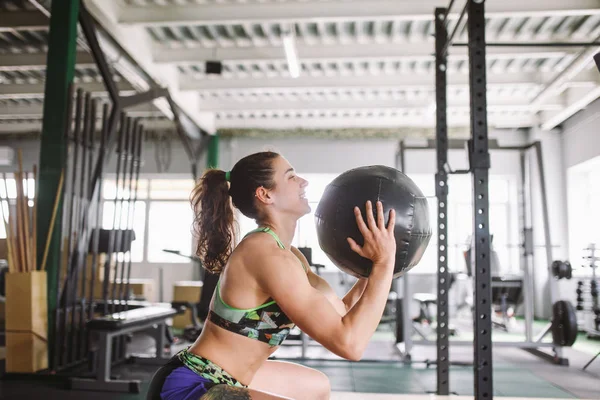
(207, 369)
(195, 379)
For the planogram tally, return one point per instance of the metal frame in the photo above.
(531, 344)
(535, 44)
(479, 165)
(90, 185)
(102, 381)
(187, 129)
(441, 188)
(479, 161)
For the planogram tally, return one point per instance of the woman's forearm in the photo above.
(355, 292)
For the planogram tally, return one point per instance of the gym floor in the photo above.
(517, 374)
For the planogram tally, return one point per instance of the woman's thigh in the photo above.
(291, 380)
(224, 392)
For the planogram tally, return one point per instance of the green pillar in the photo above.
(60, 68)
(212, 159)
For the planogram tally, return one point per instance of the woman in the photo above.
(266, 287)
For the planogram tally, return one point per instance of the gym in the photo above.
(475, 120)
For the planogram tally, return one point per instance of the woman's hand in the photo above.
(380, 243)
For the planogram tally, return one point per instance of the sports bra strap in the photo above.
(268, 230)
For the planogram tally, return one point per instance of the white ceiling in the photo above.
(363, 63)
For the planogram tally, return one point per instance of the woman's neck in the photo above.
(284, 230)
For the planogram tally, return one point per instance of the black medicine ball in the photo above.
(335, 220)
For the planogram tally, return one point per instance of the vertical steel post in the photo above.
(480, 164)
(62, 39)
(441, 189)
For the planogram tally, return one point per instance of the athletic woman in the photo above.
(266, 287)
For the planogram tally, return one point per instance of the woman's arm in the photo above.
(354, 294)
(322, 285)
(347, 336)
(341, 305)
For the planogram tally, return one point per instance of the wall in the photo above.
(580, 142)
(555, 182)
(309, 155)
(580, 138)
(575, 142)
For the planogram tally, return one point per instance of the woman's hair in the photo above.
(213, 213)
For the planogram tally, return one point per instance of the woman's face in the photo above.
(289, 194)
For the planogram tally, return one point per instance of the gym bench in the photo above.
(150, 319)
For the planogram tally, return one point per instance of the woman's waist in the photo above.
(239, 356)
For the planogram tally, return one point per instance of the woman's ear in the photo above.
(263, 195)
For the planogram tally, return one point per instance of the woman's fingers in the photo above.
(355, 247)
(392, 221)
(380, 218)
(364, 230)
(370, 218)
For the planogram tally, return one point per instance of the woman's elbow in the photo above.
(351, 350)
(353, 355)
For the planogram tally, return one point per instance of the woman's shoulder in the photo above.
(260, 250)
(257, 246)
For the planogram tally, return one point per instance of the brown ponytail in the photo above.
(212, 200)
(213, 220)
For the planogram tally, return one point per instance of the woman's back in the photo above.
(238, 295)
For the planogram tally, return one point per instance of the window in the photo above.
(10, 186)
(170, 227)
(138, 223)
(163, 217)
(171, 189)
(460, 221)
(109, 189)
(583, 212)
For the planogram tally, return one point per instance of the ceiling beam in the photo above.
(381, 51)
(37, 61)
(576, 99)
(11, 127)
(376, 121)
(19, 20)
(424, 103)
(35, 111)
(316, 11)
(382, 81)
(36, 90)
(578, 66)
(136, 42)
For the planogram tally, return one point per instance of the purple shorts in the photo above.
(185, 384)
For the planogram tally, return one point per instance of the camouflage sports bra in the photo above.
(266, 322)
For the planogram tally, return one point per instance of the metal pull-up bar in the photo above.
(458, 23)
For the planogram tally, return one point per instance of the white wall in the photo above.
(555, 181)
(580, 142)
(577, 141)
(309, 155)
(581, 135)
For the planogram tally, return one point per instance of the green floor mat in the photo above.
(402, 379)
